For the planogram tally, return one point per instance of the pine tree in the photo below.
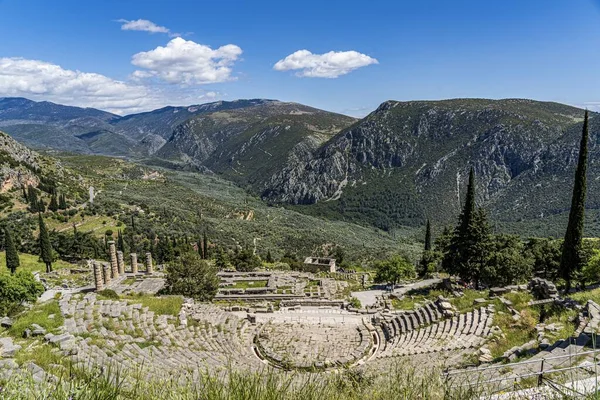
(204, 246)
(164, 250)
(269, 257)
(427, 257)
(45, 246)
(12, 256)
(571, 258)
(41, 206)
(466, 217)
(470, 246)
(32, 199)
(53, 206)
(62, 202)
(120, 242)
(31, 194)
(428, 236)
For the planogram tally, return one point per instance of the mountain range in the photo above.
(401, 164)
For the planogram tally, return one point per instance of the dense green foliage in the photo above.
(571, 259)
(245, 260)
(507, 263)
(393, 270)
(191, 276)
(476, 255)
(17, 288)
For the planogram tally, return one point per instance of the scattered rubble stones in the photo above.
(542, 289)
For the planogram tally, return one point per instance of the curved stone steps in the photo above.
(459, 332)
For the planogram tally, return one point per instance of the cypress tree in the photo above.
(12, 256)
(24, 193)
(571, 258)
(204, 246)
(132, 223)
(53, 206)
(31, 194)
(45, 246)
(269, 257)
(120, 242)
(428, 236)
(62, 202)
(41, 206)
(427, 254)
(466, 217)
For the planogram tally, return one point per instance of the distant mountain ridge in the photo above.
(403, 163)
(46, 125)
(408, 161)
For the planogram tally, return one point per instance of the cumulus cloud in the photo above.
(142, 25)
(210, 95)
(328, 65)
(40, 80)
(186, 62)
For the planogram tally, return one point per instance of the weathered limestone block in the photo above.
(149, 268)
(98, 279)
(113, 259)
(107, 274)
(134, 264)
(120, 263)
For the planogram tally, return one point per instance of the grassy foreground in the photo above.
(400, 382)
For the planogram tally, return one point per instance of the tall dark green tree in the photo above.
(428, 236)
(62, 202)
(428, 256)
(53, 206)
(204, 246)
(164, 250)
(12, 256)
(571, 258)
(470, 246)
(41, 206)
(45, 246)
(120, 241)
(269, 257)
(31, 195)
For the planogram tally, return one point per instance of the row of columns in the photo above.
(104, 274)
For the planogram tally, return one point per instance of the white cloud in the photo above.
(328, 65)
(142, 25)
(210, 95)
(186, 62)
(40, 80)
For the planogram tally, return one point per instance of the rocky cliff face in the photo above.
(250, 144)
(409, 160)
(19, 166)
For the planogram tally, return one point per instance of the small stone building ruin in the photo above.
(319, 264)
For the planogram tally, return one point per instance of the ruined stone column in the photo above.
(98, 276)
(121, 263)
(149, 263)
(134, 265)
(107, 278)
(113, 259)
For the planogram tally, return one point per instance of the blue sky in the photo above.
(87, 52)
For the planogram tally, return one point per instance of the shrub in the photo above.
(18, 288)
(191, 276)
